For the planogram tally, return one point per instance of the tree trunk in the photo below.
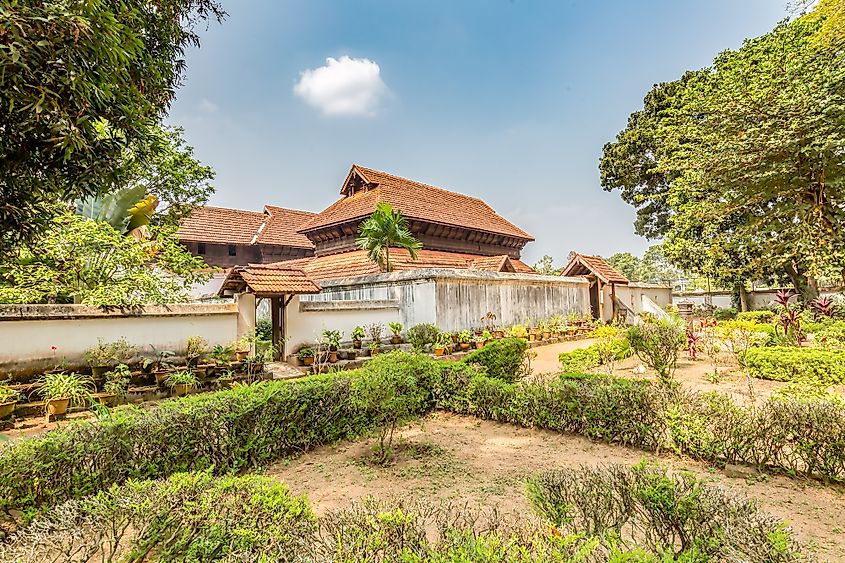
(743, 298)
(806, 286)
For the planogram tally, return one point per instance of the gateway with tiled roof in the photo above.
(230, 237)
(440, 219)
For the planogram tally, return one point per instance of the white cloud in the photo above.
(344, 86)
(207, 106)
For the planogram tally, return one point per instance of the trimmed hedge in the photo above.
(230, 431)
(199, 517)
(799, 365)
(186, 517)
(501, 359)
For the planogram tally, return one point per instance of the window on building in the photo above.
(200, 248)
(233, 250)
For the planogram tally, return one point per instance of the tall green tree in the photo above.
(546, 266)
(80, 81)
(386, 228)
(739, 166)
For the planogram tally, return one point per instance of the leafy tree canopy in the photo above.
(739, 166)
(80, 81)
(546, 266)
(80, 260)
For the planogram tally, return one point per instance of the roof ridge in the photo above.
(229, 209)
(423, 184)
(290, 209)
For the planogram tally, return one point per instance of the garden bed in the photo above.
(446, 457)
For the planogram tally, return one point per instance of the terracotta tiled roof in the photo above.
(583, 264)
(493, 264)
(281, 227)
(356, 263)
(269, 279)
(220, 225)
(416, 201)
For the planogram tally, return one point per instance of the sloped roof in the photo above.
(416, 201)
(269, 279)
(221, 225)
(356, 263)
(584, 264)
(282, 226)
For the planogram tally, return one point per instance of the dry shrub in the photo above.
(673, 516)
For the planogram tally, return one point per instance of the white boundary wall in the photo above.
(450, 299)
(27, 332)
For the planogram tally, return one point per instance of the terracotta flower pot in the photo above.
(547, 335)
(532, 337)
(98, 372)
(439, 351)
(333, 356)
(308, 361)
(181, 389)
(375, 352)
(57, 406)
(480, 344)
(241, 356)
(396, 340)
(499, 334)
(108, 400)
(356, 344)
(6, 409)
(161, 377)
(464, 345)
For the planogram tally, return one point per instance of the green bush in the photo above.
(422, 336)
(657, 343)
(831, 335)
(761, 316)
(578, 360)
(799, 365)
(673, 516)
(230, 431)
(186, 517)
(501, 359)
(725, 314)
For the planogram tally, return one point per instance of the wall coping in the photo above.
(70, 312)
(356, 304)
(644, 285)
(434, 274)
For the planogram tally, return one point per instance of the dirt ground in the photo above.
(693, 375)
(460, 459)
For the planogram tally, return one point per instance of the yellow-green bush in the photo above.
(763, 316)
(799, 365)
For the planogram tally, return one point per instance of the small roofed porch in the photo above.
(604, 280)
(276, 282)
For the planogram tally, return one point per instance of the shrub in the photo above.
(657, 344)
(799, 365)
(832, 335)
(422, 336)
(675, 517)
(760, 317)
(501, 359)
(187, 517)
(725, 314)
(580, 359)
(229, 430)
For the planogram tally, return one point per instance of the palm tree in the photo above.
(383, 229)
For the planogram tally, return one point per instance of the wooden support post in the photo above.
(283, 331)
(275, 324)
(613, 300)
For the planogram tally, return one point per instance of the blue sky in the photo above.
(507, 100)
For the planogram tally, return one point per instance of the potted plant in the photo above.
(443, 341)
(454, 337)
(518, 331)
(195, 348)
(100, 358)
(375, 331)
(375, 348)
(243, 346)
(222, 355)
(306, 355)
(116, 386)
(464, 339)
(396, 329)
(226, 378)
(499, 333)
(181, 382)
(61, 390)
(481, 339)
(357, 337)
(331, 338)
(8, 399)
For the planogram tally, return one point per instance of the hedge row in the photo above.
(797, 436)
(799, 365)
(231, 430)
(604, 514)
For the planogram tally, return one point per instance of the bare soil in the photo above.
(464, 460)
